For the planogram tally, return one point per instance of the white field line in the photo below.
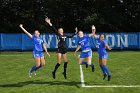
(103, 86)
(112, 86)
(82, 77)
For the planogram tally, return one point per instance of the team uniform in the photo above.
(62, 46)
(38, 46)
(103, 55)
(101, 48)
(86, 49)
(37, 51)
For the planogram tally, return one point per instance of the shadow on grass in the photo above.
(58, 83)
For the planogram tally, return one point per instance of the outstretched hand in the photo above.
(75, 53)
(21, 25)
(76, 30)
(93, 27)
(48, 54)
(109, 48)
(48, 20)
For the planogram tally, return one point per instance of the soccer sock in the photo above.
(33, 69)
(65, 67)
(106, 69)
(84, 63)
(38, 67)
(56, 67)
(92, 65)
(103, 70)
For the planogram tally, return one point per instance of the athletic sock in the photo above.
(65, 67)
(56, 67)
(38, 67)
(33, 69)
(107, 70)
(103, 70)
(92, 65)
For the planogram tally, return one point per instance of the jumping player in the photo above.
(103, 55)
(83, 43)
(39, 46)
(62, 48)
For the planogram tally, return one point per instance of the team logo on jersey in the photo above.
(82, 42)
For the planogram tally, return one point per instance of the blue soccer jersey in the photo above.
(84, 43)
(101, 48)
(37, 43)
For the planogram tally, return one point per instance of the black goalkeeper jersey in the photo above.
(62, 38)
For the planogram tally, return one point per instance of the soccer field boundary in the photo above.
(102, 86)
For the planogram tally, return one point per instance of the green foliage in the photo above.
(107, 15)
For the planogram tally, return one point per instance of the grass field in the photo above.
(124, 66)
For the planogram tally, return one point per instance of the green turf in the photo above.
(124, 66)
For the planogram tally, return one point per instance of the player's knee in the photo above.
(89, 63)
(79, 63)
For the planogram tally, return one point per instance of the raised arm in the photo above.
(70, 36)
(47, 20)
(93, 32)
(25, 31)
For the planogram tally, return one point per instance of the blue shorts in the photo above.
(38, 53)
(86, 54)
(105, 56)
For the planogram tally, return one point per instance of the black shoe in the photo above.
(86, 65)
(53, 74)
(93, 69)
(109, 78)
(65, 75)
(105, 75)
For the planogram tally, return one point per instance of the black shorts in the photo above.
(62, 50)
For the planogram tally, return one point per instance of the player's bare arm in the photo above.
(25, 31)
(44, 46)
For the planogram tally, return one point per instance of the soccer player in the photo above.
(62, 48)
(39, 46)
(103, 55)
(83, 43)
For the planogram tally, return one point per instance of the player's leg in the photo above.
(104, 60)
(65, 65)
(34, 68)
(59, 57)
(82, 56)
(102, 68)
(89, 59)
(80, 61)
(42, 60)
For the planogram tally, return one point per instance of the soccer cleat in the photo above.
(30, 74)
(86, 65)
(104, 76)
(65, 75)
(93, 69)
(109, 78)
(35, 73)
(53, 74)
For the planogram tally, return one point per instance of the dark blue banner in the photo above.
(114, 40)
